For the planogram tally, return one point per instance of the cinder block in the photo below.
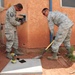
(30, 67)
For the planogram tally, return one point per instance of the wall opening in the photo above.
(67, 3)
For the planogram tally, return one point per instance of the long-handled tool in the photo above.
(40, 56)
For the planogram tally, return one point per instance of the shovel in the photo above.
(40, 56)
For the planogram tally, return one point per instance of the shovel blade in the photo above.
(38, 57)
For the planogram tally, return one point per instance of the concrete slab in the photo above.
(30, 67)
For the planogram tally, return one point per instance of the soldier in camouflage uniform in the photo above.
(64, 30)
(11, 30)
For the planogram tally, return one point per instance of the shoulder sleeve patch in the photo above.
(11, 14)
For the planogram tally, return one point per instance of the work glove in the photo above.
(54, 37)
(1, 27)
(21, 22)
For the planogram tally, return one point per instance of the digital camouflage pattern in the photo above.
(11, 29)
(63, 34)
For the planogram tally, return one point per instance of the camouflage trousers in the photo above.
(63, 36)
(11, 41)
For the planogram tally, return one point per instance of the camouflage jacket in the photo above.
(59, 19)
(11, 22)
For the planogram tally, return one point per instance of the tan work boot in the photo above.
(17, 52)
(8, 55)
(54, 57)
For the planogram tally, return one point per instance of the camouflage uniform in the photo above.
(64, 29)
(11, 29)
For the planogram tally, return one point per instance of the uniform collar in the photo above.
(14, 9)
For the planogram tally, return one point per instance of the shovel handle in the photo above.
(49, 45)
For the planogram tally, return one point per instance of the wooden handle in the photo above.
(49, 45)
